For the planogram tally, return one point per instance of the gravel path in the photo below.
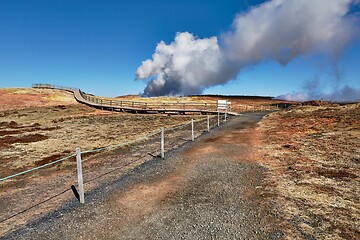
(210, 189)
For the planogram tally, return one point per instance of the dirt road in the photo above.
(211, 189)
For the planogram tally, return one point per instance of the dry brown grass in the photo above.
(41, 133)
(314, 157)
(38, 135)
(38, 126)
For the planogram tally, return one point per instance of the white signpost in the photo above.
(224, 106)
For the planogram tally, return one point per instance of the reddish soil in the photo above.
(23, 98)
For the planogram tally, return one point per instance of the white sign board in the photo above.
(223, 105)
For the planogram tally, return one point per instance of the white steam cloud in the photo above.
(277, 30)
(186, 66)
(343, 94)
(314, 90)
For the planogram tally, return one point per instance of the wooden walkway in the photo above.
(138, 107)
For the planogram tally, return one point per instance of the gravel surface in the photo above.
(210, 189)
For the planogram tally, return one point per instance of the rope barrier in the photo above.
(185, 125)
(97, 150)
(36, 168)
(90, 151)
(121, 144)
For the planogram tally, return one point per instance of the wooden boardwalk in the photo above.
(139, 107)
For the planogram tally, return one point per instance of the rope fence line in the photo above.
(101, 149)
(108, 170)
(37, 168)
(68, 189)
(121, 144)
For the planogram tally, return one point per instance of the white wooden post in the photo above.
(225, 115)
(162, 143)
(218, 118)
(80, 177)
(192, 130)
(208, 123)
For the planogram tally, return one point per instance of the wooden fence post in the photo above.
(208, 123)
(218, 118)
(80, 177)
(162, 143)
(192, 130)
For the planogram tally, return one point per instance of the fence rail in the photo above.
(150, 105)
(138, 106)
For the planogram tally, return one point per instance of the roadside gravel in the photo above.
(210, 189)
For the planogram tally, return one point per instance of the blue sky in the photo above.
(98, 45)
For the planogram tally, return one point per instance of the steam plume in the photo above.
(343, 94)
(314, 90)
(277, 30)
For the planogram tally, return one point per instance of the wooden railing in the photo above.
(150, 105)
(106, 103)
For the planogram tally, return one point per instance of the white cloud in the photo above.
(279, 30)
(185, 66)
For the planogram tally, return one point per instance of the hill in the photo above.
(21, 98)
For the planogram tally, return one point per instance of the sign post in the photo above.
(192, 130)
(208, 123)
(224, 106)
(162, 143)
(80, 176)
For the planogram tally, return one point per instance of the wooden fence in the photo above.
(138, 106)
